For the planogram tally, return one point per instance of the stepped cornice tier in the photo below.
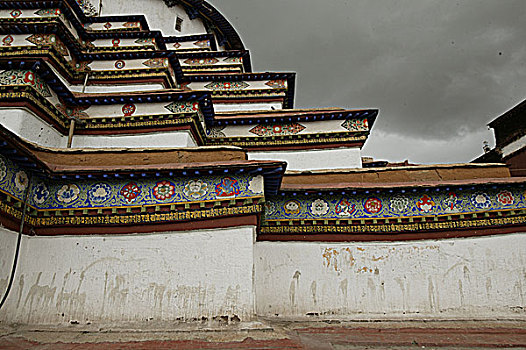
(293, 129)
(389, 204)
(76, 190)
(140, 44)
(199, 8)
(207, 12)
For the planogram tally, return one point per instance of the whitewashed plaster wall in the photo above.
(313, 159)
(116, 88)
(229, 107)
(159, 16)
(29, 127)
(475, 277)
(7, 252)
(159, 277)
(157, 139)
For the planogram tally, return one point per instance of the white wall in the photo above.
(159, 16)
(7, 251)
(314, 159)
(29, 127)
(157, 139)
(229, 107)
(159, 276)
(450, 278)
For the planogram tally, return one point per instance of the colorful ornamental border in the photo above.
(129, 219)
(385, 205)
(46, 194)
(396, 227)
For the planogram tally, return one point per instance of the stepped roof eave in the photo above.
(88, 163)
(393, 185)
(438, 175)
(317, 114)
(202, 9)
(408, 167)
(54, 82)
(508, 114)
(161, 157)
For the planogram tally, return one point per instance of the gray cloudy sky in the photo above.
(438, 70)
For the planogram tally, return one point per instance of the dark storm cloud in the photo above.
(438, 70)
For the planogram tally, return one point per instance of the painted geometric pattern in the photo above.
(48, 39)
(156, 62)
(356, 124)
(24, 77)
(277, 129)
(131, 25)
(233, 60)
(276, 84)
(202, 43)
(48, 12)
(183, 107)
(145, 41)
(73, 112)
(7, 40)
(215, 132)
(402, 204)
(104, 193)
(227, 85)
(87, 7)
(200, 61)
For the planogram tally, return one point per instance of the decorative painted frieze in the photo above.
(202, 44)
(55, 12)
(59, 194)
(24, 77)
(201, 61)
(72, 112)
(277, 129)
(48, 39)
(227, 85)
(183, 107)
(132, 25)
(404, 204)
(356, 124)
(215, 132)
(87, 7)
(145, 41)
(277, 84)
(233, 60)
(160, 62)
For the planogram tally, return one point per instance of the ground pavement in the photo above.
(273, 334)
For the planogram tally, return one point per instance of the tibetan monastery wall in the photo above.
(458, 278)
(157, 13)
(314, 159)
(33, 129)
(160, 277)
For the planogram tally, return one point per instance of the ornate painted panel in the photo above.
(398, 204)
(356, 124)
(24, 77)
(227, 85)
(277, 129)
(108, 193)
